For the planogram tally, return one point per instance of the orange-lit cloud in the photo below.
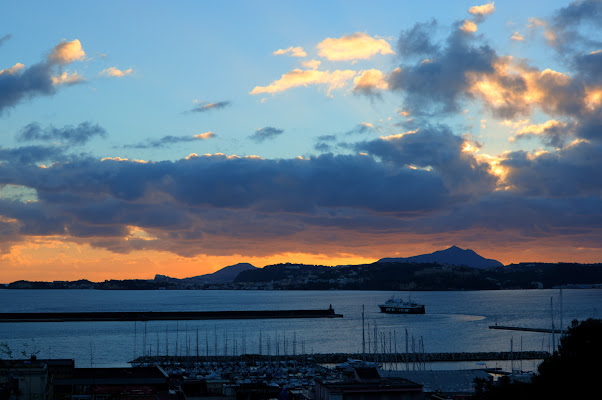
(517, 37)
(292, 51)
(205, 135)
(593, 98)
(357, 46)
(115, 72)
(371, 80)
(67, 52)
(538, 129)
(123, 159)
(312, 64)
(298, 77)
(468, 26)
(484, 9)
(398, 135)
(12, 70)
(548, 32)
(67, 79)
(513, 89)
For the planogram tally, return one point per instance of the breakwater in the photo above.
(164, 315)
(338, 358)
(519, 328)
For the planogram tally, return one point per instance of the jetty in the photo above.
(164, 315)
(519, 328)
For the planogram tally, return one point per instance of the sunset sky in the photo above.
(176, 138)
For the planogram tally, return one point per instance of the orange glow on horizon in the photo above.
(50, 259)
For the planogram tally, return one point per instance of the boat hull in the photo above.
(401, 310)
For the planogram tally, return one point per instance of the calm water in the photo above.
(454, 322)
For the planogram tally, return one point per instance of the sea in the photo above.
(455, 321)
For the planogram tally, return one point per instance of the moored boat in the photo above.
(400, 306)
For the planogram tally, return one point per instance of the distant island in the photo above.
(450, 269)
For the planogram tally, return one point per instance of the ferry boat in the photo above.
(400, 306)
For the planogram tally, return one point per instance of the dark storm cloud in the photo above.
(324, 143)
(211, 196)
(438, 83)
(4, 39)
(210, 106)
(590, 127)
(570, 172)
(323, 147)
(554, 135)
(463, 68)
(361, 129)
(418, 40)
(33, 81)
(219, 204)
(266, 133)
(438, 148)
(574, 220)
(590, 67)
(566, 24)
(36, 80)
(30, 154)
(77, 135)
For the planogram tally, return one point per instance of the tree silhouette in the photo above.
(570, 373)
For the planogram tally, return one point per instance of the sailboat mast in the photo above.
(553, 333)
(561, 323)
(363, 336)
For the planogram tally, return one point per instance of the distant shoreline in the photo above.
(380, 276)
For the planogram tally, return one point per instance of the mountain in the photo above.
(452, 256)
(224, 275)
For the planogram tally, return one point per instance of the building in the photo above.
(445, 384)
(112, 383)
(367, 384)
(24, 379)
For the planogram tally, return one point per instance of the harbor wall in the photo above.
(164, 315)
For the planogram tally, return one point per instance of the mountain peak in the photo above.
(452, 256)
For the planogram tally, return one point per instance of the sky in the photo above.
(145, 137)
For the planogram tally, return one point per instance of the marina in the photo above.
(340, 358)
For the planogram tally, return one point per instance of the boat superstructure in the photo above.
(400, 306)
